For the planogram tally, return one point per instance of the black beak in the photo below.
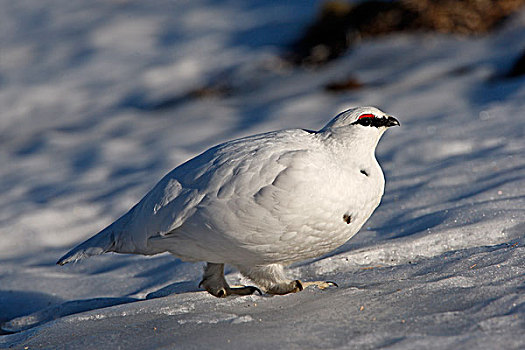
(391, 121)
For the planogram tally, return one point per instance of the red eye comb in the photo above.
(366, 116)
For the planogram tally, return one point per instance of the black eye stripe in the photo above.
(376, 122)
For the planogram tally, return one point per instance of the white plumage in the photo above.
(259, 203)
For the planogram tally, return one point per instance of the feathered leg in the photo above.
(272, 280)
(215, 283)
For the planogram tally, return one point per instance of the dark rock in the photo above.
(347, 84)
(341, 25)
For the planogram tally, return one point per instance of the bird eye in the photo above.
(366, 121)
(366, 116)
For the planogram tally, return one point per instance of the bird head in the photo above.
(370, 118)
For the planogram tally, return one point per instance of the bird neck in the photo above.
(353, 141)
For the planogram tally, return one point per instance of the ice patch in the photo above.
(214, 318)
(172, 311)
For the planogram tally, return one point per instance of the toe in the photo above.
(245, 290)
(320, 284)
(255, 289)
(286, 287)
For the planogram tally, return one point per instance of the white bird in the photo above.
(259, 203)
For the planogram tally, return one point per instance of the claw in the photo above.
(299, 285)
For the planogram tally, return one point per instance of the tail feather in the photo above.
(101, 243)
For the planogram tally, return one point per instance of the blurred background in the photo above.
(98, 100)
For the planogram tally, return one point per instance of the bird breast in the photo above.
(283, 207)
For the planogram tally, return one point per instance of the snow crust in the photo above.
(96, 106)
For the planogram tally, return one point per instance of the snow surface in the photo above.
(96, 106)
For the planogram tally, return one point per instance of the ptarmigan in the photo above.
(259, 203)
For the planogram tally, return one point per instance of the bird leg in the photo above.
(272, 280)
(215, 283)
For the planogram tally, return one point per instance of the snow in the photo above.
(96, 107)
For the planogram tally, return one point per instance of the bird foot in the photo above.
(297, 286)
(222, 291)
(319, 284)
(215, 283)
(244, 290)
